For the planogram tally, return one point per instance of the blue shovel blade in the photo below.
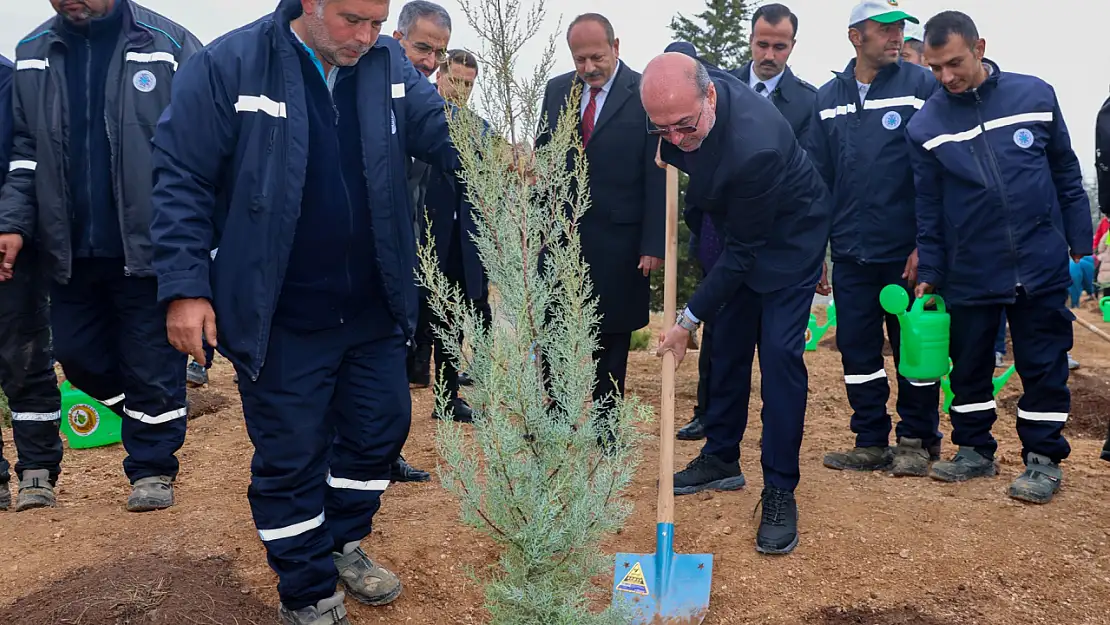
(663, 588)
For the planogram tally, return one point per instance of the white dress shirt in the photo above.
(771, 83)
(600, 99)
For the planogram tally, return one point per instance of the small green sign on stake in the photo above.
(87, 423)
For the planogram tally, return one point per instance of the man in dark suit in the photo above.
(623, 232)
(774, 32)
(772, 209)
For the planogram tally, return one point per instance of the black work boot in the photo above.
(778, 529)
(420, 366)
(708, 472)
(465, 379)
(461, 412)
(1040, 481)
(402, 471)
(859, 459)
(692, 431)
(5, 496)
(966, 465)
(909, 458)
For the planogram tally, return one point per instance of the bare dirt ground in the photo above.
(874, 550)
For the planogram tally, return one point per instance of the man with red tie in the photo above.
(623, 231)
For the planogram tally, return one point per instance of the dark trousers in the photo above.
(776, 323)
(705, 369)
(612, 364)
(110, 337)
(328, 414)
(859, 337)
(418, 358)
(1000, 338)
(27, 373)
(453, 270)
(1041, 328)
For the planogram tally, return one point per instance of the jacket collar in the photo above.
(849, 73)
(130, 30)
(993, 74)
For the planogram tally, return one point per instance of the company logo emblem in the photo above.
(83, 419)
(892, 120)
(1023, 137)
(144, 81)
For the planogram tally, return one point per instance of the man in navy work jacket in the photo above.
(857, 144)
(26, 374)
(747, 171)
(303, 122)
(89, 87)
(1000, 206)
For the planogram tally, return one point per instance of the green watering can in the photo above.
(924, 334)
(999, 382)
(1104, 305)
(815, 331)
(86, 422)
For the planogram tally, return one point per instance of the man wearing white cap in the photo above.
(858, 144)
(913, 45)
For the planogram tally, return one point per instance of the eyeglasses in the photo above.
(685, 129)
(425, 49)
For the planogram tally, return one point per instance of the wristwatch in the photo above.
(684, 321)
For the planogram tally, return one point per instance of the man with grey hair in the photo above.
(769, 204)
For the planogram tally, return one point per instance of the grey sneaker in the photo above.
(910, 458)
(151, 493)
(1073, 364)
(5, 496)
(367, 582)
(1040, 481)
(35, 491)
(195, 374)
(998, 364)
(859, 459)
(330, 611)
(967, 464)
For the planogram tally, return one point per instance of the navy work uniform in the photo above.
(1000, 206)
(86, 101)
(768, 202)
(313, 287)
(26, 374)
(857, 143)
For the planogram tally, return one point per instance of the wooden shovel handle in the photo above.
(1086, 324)
(665, 509)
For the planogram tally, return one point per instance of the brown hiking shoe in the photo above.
(910, 459)
(366, 581)
(859, 459)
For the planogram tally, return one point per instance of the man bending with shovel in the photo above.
(772, 210)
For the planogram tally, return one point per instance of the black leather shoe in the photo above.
(461, 412)
(402, 471)
(692, 431)
(465, 379)
(778, 529)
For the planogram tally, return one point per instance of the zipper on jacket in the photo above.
(1001, 186)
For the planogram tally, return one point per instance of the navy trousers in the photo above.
(859, 337)
(327, 416)
(110, 337)
(705, 370)
(27, 373)
(776, 323)
(1000, 338)
(1041, 329)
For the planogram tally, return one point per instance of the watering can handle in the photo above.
(919, 303)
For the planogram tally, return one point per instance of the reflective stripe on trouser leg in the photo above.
(1042, 332)
(371, 412)
(972, 333)
(860, 338)
(285, 414)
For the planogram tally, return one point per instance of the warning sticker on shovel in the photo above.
(634, 581)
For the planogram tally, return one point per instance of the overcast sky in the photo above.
(1062, 41)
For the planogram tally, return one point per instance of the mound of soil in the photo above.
(905, 615)
(1090, 403)
(146, 590)
(205, 401)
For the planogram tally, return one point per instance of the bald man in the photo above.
(772, 209)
